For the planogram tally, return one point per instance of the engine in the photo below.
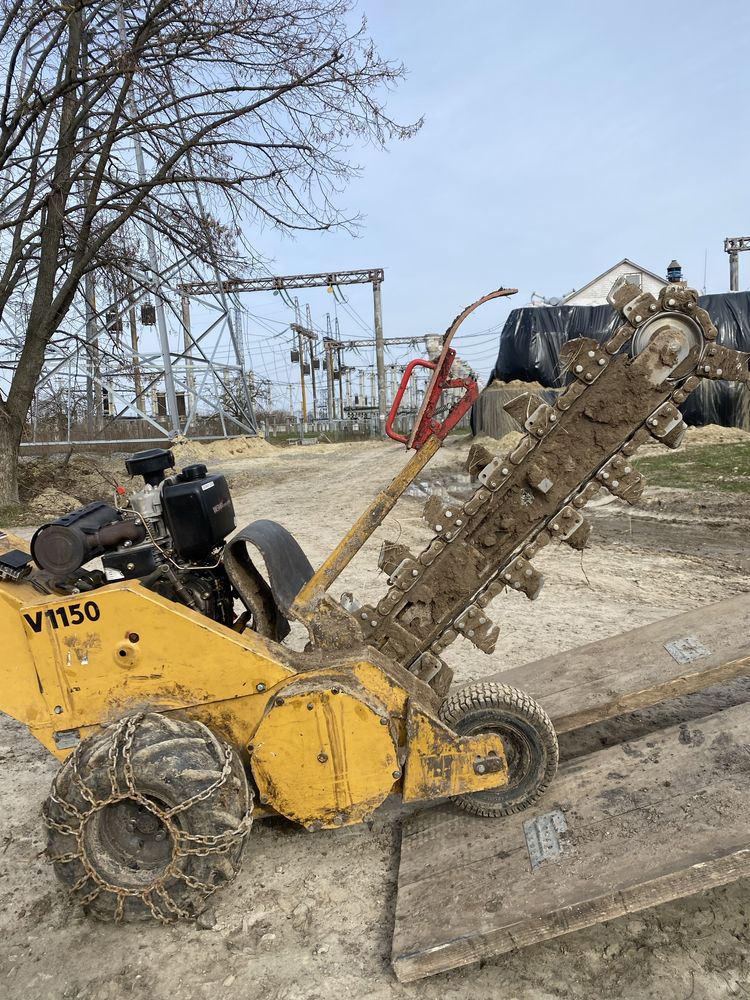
(169, 536)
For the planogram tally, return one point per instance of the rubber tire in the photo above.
(172, 760)
(489, 707)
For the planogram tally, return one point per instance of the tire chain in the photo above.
(120, 753)
(415, 631)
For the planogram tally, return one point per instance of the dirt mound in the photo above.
(51, 503)
(187, 451)
(715, 434)
(499, 446)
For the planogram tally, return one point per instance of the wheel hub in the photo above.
(128, 843)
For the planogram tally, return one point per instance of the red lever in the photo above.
(426, 424)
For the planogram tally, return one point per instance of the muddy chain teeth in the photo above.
(587, 361)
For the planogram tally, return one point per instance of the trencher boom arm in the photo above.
(621, 394)
(311, 604)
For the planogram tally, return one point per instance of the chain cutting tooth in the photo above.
(666, 425)
(521, 575)
(584, 359)
(490, 592)
(494, 475)
(522, 406)
(474, 625)
(445, 519)
(621, 479)
(406, 574)
(478, 458)
(392, 554)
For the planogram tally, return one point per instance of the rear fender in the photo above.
(287, 567)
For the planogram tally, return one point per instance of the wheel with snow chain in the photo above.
(147, 818)
(528, 736)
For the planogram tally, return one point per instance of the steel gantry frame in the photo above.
(324, 279)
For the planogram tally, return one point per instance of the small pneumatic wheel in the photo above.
(528, 737)
(147, 818)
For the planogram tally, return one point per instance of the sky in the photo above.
(559, 137)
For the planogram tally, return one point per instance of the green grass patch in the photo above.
(719, 467)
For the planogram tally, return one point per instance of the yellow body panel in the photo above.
(436, 756)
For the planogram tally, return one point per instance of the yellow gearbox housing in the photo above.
(325, 754)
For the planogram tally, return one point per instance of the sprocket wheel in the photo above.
(147, 818)
(528, 736)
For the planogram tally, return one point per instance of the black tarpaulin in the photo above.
(532, 337)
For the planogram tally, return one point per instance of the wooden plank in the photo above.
(649, 821)
(634, 670)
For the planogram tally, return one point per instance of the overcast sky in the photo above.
(559, 137)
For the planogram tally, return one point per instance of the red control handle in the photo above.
(428, 425)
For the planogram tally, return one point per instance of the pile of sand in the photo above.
(716, 434)
(225, 449)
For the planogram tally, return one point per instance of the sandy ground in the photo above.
(310, 916)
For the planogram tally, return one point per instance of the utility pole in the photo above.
(311, 344)
(341, 369)
(328, 344)
(379, 354)
(733, 245)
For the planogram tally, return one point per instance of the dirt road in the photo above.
(310, 916)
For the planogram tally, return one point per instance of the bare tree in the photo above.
(193, 119)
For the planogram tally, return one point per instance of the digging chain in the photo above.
(570, 451)
(119, 758)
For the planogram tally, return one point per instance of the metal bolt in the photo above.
(480, 768)
(415, 572)
(160, 835)
(449, 513)
(718, 371)
(396, 774)
(555, 527)
(605, 475)
(459, 522)
(588, 376)
(260, 687)
(652, 308)
(592, 354)
(614, 484)
(373, 623)
(627, 470)
(310, 706)
(638, 318)
(672, 302)
(602, 362)
(529, 572)
(364, 615)
(439, 527)
(322, 757)
(552, 418)
(383, 722)
(653, 422)
(279, 701)
(579, 368)
(58, 709)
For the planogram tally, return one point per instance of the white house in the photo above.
(596, 291)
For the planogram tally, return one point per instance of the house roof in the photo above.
(625, 260)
